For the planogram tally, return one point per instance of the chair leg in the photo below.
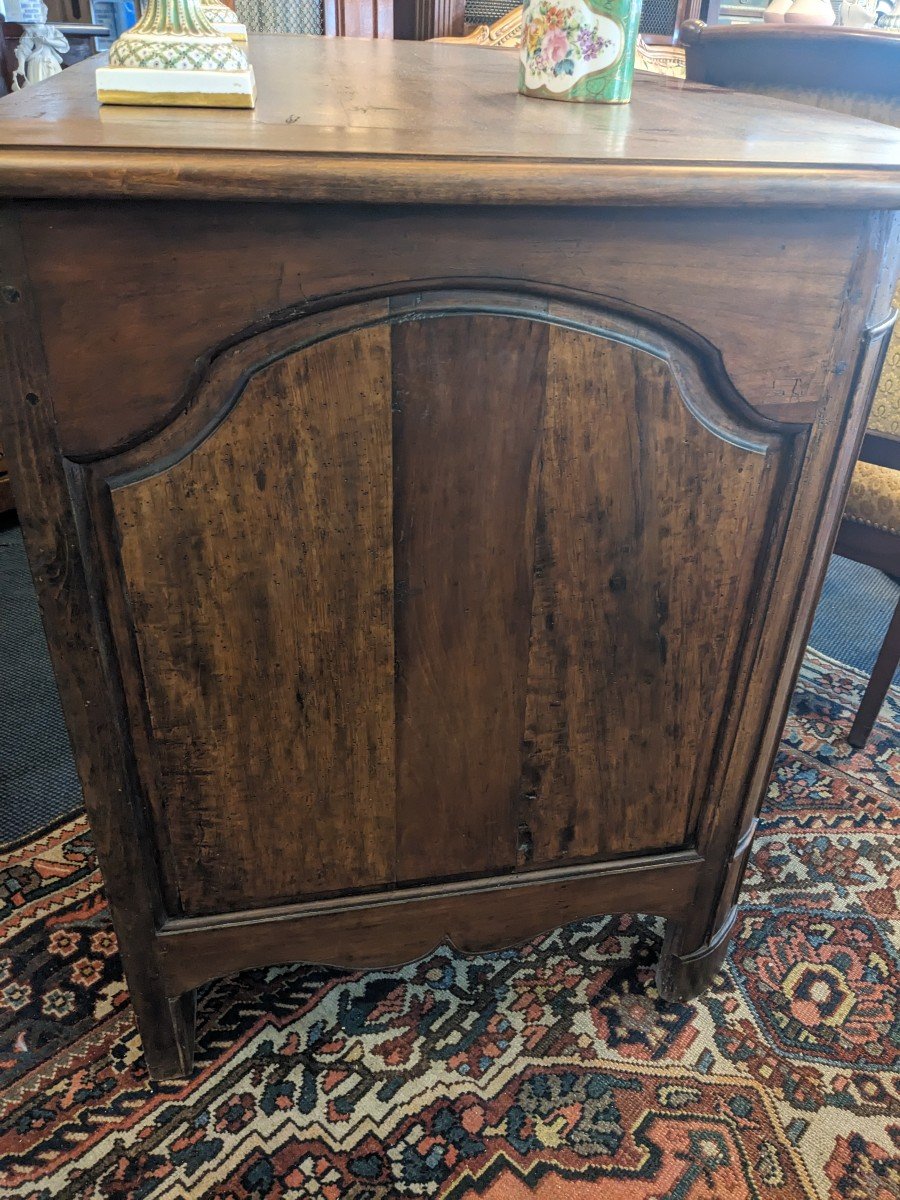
(885, 666)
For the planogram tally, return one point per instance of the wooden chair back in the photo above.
(859, 62)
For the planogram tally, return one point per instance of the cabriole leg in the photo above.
(688, 966)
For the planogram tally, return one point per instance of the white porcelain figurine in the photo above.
(810, 12)
(39, 52)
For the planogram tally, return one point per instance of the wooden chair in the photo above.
(855, 71)
(660, 19)
(656, 55)
(850, 70)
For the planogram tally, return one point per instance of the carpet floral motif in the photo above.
(553, 1070)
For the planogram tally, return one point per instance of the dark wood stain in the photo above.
(104, 401)
(396, 927)
(262, 608)
(340, 684)
(640, 572)
(425, 124)
(468, 393)
(525, 670)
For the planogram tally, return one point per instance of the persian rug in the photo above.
(552, 1070)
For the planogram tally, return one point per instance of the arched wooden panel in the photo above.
(259, 572)
(648, 531)
(436, 591)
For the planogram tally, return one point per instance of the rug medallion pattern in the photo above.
(552, 1070)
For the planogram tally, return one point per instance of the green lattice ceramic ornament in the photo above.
(580, 50)
(187, 53)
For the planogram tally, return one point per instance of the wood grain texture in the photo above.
(259, 572)
(648, 529)
(396, 927)
(787, 591)
(333, 112)
(468, 395)
(421, 20)
(84, 665)
(849, 70)
(575, 536)
(771, 304)
(729, 282)
(681, 977)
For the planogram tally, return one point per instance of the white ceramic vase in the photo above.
(810, 12)
(774, 14)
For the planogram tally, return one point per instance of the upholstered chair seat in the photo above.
(885, 416)
(874, 497)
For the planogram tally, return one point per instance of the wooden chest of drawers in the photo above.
(428, 491)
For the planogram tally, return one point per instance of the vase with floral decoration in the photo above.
(579, 50)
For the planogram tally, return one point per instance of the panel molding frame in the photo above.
(50, 490)
(697, 368)
(705, 385)
(194, 950)
(594, 311)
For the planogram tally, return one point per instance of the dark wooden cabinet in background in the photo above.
(427, 535)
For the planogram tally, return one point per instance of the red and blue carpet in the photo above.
(552, 1071)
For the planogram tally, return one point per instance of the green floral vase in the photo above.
(579, 50)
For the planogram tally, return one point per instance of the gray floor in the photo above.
(37, 776)
(854, 612)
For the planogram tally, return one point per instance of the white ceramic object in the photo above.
(810, 12)
(224, 20)
(855, 16)
(774, 14)
(176, 56)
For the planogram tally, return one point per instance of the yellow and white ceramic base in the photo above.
(175, 55)
(224, 20)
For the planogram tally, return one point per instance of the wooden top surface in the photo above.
(383, 121)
